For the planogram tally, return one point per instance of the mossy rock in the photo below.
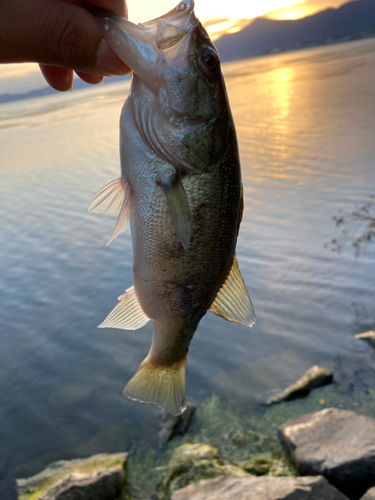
(60, 472)
(265, 464)
(191, 462)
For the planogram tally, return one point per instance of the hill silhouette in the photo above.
(352, 20)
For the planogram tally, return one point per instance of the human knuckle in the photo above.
(67, 43)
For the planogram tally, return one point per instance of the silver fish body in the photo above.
(181, 189)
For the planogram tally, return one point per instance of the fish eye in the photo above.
(208, 61)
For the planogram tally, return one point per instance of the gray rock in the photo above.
(260, 488)
(369, 337)
(100, 477)
(175, 424)
(316, 376)
(337, 444)
(369, 495)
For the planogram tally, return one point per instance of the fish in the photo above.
(180, 190)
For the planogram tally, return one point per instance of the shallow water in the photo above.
(306, 129)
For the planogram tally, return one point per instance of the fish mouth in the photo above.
(139, 45)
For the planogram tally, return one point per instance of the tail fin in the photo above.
(163, 386)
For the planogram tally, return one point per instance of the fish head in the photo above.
(178, 93)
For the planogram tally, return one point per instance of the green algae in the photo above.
(143, 477)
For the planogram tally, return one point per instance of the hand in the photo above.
(62, 36)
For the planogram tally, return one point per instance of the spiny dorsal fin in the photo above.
(232, 301)
(178, 208)
(161, 385)
(128, 314)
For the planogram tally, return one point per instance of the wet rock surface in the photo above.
(338, 444)
(99, 477)
(368, 337)
(260, 488)
(171, 425)
(192, 462)
(316, 376)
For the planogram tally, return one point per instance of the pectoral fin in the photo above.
(232, 301)
(123, 216)
(178, 208)
(128, 313)
(114, 198)
(108, 200)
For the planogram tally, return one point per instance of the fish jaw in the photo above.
(139, 45)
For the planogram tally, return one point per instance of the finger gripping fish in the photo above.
(180, 189)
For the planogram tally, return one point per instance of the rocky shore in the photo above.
(326, 454)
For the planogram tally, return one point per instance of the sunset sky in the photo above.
(229, 15)
(218, 16)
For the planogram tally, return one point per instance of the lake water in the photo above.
(306, 130)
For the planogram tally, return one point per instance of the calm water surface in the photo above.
(306, 130)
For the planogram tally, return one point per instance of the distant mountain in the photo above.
(264, 36)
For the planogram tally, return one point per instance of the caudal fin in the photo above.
(163, 386)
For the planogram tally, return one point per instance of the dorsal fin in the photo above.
(178, 208)
(128, 314)
(232, 301)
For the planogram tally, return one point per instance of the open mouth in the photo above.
(171, 27)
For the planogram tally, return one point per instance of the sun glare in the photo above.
(221, 17)
(290, 13)
(143, 10)
(216, 30)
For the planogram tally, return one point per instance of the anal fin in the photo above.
(178, 208)
(128, 314)
(233, 302)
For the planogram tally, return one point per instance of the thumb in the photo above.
(55, 33)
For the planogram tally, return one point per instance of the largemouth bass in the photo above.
(181, 190)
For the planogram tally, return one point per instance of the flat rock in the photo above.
(99, 477)
(260, 488)
(368, 337)
(338, 444)
(316, 376)
(172, 425)
(369, 495)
